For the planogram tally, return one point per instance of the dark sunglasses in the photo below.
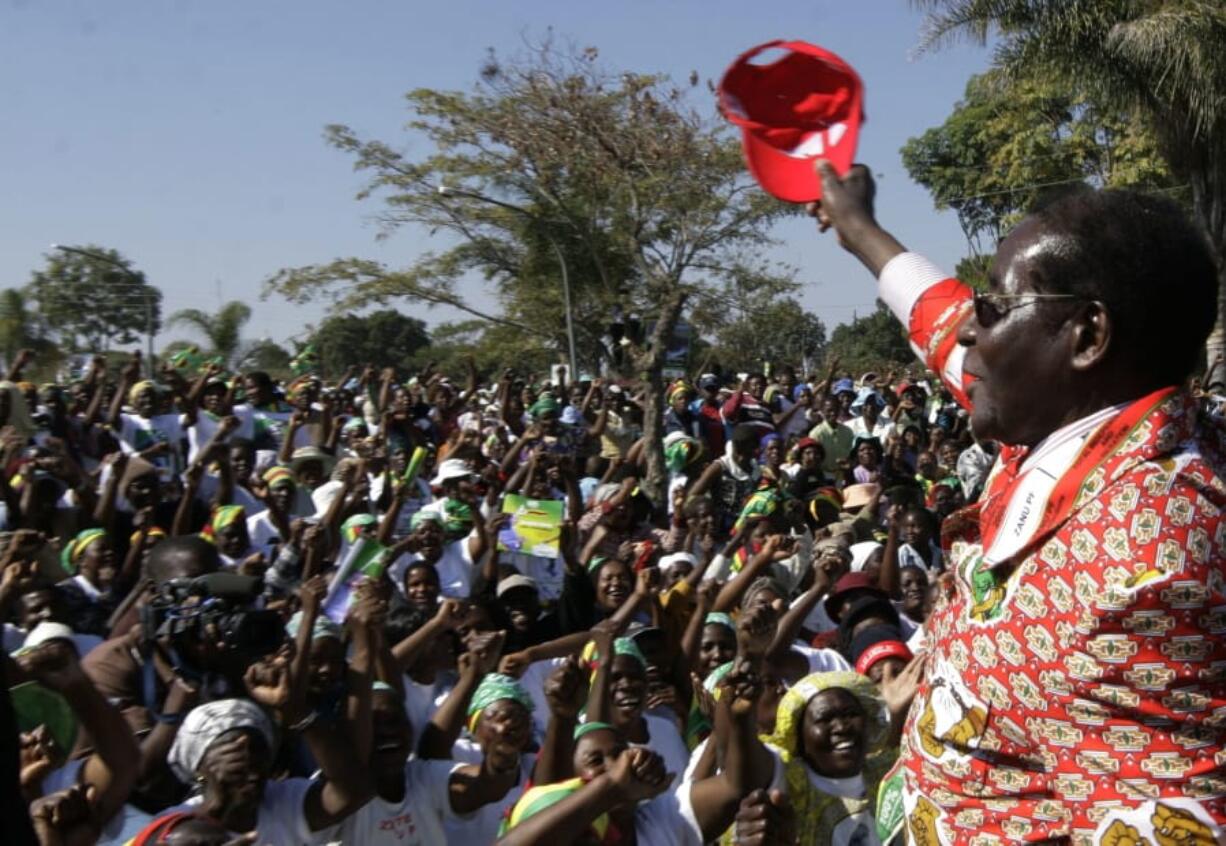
(991, 307)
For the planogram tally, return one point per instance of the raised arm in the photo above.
(111, 769)
(441, 733)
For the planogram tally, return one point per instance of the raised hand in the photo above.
(268, 680)
(483, 652)
(755, 629)
(639, 774)
(765, 819)
(54, 665)
(898, 688)
(566, 689)
(65, 817)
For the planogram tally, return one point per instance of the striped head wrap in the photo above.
(539, 798)
(279, 476)
(71, 554)
(139, 388)
(351, 529)
(223, 516)
(495, 687)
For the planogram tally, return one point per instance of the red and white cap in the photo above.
(807, 105)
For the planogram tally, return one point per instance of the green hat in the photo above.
(75, 548)
(324, 626)
(588, 728)
(496, 686)
(627, 646)
(545, 404)
(719, 618)
(35, 705)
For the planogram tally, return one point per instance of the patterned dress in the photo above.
(1076, 678)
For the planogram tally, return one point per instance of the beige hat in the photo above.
(858, 496)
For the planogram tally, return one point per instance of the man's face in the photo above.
(1020, 363)
(755, 386)
(257, 392)
(39, 606)
(522, 608)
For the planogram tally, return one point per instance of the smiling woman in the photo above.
(828, 747)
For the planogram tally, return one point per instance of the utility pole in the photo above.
(448, 191)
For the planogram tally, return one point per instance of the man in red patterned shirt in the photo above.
(1075, 678)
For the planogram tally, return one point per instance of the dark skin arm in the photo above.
(104, 510)
(441, 733)
(127, 378)
(22, 358)
(183, 514)
(111, 769)
(565, 691)
(847, 207)
(637, 775)
(889, 577)
(776, 548)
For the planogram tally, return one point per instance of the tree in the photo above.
(383, 338)
(91, 297)
(265, 355)
(1008, 142)
(874, 342)
(1162, 61)
(549, 162)
(19, 329)
(223, 330)
(781, 332)
(452, 344)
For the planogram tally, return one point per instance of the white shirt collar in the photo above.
(1076, 429)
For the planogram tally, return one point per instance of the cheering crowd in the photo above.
(975, 603)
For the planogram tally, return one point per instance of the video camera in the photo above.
(184, 609)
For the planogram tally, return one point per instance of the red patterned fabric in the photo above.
(1076, 689)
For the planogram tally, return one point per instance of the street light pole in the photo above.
(148, 297)
(447, 191)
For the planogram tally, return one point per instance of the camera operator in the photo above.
(198, 631)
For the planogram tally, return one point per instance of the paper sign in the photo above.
(535, 526)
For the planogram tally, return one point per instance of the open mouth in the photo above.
(845, 746)
(617, 594)
(627, 701)
(389, 746)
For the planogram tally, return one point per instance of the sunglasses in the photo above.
(991, 307)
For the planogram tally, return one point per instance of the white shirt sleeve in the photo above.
(904, 279)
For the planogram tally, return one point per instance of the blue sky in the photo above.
(188, 135)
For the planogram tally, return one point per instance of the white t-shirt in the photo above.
(137, 434)
(416, 820)
(422, 700)
(667, 820)
(201, 432)
(822, 660)
(281, 820)
(882, 431)
(665, 740)
(481, 826)
(454, 567)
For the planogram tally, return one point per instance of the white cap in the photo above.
(47, 631)
(452, 468)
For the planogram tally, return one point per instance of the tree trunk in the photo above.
(650, 364)
(1207, 177)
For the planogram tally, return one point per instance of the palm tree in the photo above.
(223, 329)
(1166, 59)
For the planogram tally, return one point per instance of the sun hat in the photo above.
(806, 105)
(452, 468)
